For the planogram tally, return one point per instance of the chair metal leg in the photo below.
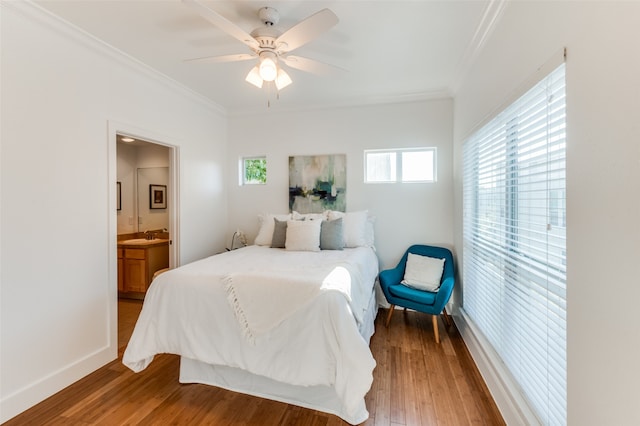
(391, 309)
(435, 327)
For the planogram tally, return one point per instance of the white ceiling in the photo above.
(393, 50)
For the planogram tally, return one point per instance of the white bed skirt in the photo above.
(321, 398)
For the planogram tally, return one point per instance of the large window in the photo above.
(400, 165)
(514, 232)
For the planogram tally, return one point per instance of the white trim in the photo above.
(436, 94)
(97, 46)
(174, 207)
(490, 18)
(505, 391)
(45, 17)
(112, 246)
(36, 392)
(115, 128)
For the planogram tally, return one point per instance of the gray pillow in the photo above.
(331, 237)
(279, 233)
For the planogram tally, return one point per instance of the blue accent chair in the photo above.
(423, 301)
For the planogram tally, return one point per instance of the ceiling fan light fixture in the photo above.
(270, 44)
(268, 68)
(283, 79)
(254, 77)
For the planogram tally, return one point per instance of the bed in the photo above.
(288, 325)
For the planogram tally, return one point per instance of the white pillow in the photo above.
(303, 235)
(423, 272)
(267, 225)
(368, 232)
(308, 216)
(355, 227)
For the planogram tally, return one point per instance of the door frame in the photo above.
(173, 198)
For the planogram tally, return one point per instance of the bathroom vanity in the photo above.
(138, 260)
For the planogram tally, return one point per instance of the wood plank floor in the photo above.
(416, 382)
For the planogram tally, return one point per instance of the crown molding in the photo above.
(490, 18)
(36, 13)
(363, 102)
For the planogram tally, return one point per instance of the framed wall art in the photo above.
(157, 196)
(317, 183)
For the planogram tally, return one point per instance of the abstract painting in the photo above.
(317, 183)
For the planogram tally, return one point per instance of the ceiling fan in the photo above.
(270, 46)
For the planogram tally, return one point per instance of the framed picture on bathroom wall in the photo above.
(157, 196)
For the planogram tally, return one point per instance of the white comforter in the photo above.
(313, 342)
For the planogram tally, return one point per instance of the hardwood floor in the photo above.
(416, 382)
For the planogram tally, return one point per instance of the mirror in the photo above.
(152, 195)
(140, 164)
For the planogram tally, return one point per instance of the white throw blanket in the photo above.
(262, 300)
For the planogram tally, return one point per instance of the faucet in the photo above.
(149, 235)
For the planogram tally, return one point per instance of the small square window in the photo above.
(254, 171)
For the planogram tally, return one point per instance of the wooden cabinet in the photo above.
(135, 268)
(137, 263)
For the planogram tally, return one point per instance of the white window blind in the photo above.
(514, 232)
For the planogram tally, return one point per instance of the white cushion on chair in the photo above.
(423, 272)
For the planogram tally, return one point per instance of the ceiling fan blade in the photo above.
(220, 59)
(311, 65)
(223, 23)
(306, 30)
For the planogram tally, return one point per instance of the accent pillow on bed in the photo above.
(331, 236)
(303, 235)
(308, 216)
(267, 225)
(423, 272)
(279, 233)
(357, 227)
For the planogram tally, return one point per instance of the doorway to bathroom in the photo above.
(144, 185)
(145, 228)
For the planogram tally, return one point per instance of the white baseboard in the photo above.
(505, 391)
(36, 392)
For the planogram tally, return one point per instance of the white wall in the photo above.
(127, 159)
(63, 95)
(603, 178)
(405, 213)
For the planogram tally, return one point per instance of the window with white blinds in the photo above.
(514, 232)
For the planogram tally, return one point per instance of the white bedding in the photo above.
(313, 343)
